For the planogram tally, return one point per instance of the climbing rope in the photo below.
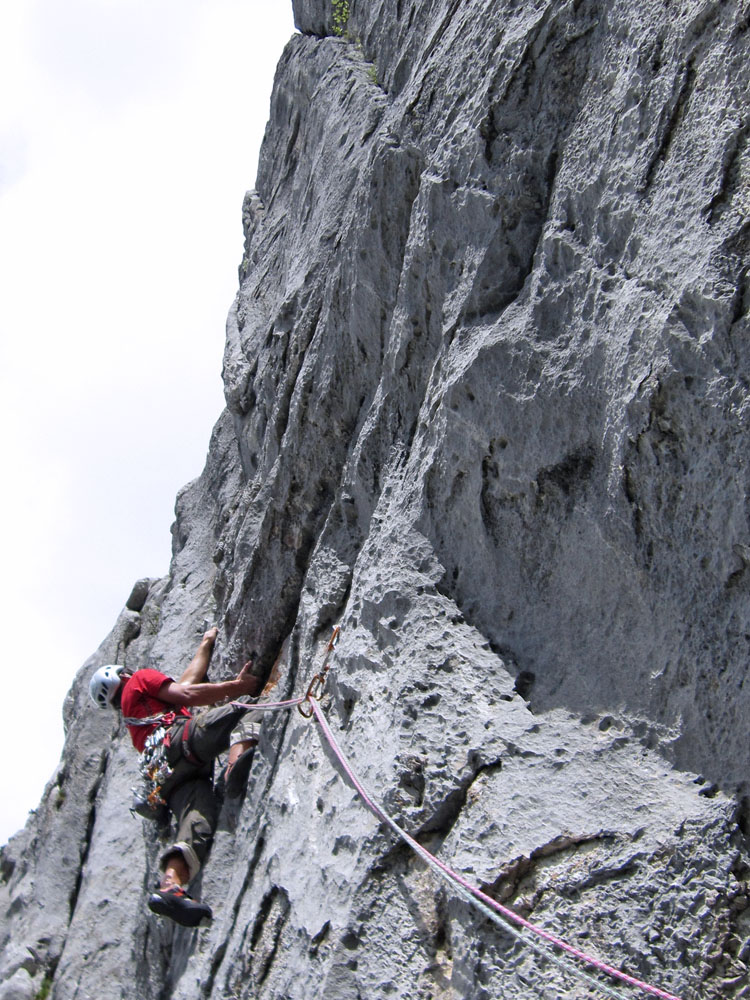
(268, 706)
(489, 907)
(314, 688)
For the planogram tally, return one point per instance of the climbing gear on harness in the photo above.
(163, 720)
(154, 766)
(104, 684)
(155, 772)
(176, 904)
(317, 684)
(141, 806)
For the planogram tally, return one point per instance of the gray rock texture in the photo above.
(488, 384)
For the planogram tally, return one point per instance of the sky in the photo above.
(129, 133)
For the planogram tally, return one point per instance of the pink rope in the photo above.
(477, 893)
(267, 706)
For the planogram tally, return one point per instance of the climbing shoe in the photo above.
(235, 781)
(178, 906)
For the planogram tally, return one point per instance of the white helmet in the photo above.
(104, 684)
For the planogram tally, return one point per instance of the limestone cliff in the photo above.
(488, 394)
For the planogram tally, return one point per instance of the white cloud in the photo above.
(129, 138)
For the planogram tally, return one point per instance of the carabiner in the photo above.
(312, 692)
(315, 688)
(302, 709)
(318, 681)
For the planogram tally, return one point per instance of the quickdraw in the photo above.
(317, 684)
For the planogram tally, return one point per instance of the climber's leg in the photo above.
(211, 731)
(176, 872)
(194, 806)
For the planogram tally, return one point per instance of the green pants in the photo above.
(189, 792)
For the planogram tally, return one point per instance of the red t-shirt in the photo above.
(140, 700)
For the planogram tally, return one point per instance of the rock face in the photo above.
(488, 385)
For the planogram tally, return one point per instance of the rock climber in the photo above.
(156, 710)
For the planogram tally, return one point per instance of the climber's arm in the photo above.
(210, 693)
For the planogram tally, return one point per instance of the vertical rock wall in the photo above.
(487, 390)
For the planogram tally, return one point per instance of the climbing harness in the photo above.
(152, 720)
(187, 753)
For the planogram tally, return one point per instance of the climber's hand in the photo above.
(250, 682)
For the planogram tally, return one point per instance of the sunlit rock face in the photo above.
(487, 379)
